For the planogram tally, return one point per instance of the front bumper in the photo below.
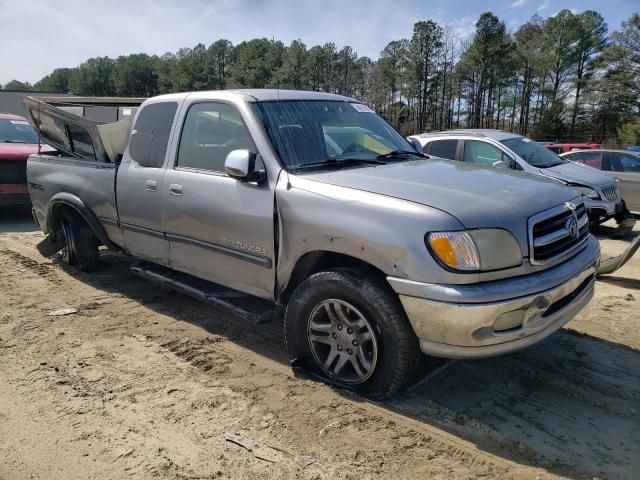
(494, 318)
(603, 208)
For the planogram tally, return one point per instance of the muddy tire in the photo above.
(352, 330)
(81, 244)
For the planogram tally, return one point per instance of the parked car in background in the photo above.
(622, 165)
(313, 204)
(567, 147)
(496, 148)
(634, 148)
(18, 140)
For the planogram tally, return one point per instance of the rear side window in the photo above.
(444, 149)
(619, 162)
(150, 135)
(593, 159)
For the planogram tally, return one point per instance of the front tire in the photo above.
(352, 329)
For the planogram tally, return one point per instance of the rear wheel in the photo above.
(352, 329)
(80, 243)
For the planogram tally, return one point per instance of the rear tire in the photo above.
(81, 244)
(352, 328)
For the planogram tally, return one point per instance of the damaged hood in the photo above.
(478, 197)
(579, 174)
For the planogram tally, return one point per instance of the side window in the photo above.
(593, 159)
(483, 153)
(619, 162)
(444, 149)
(150, 134)
(211, 130)
(81, 142)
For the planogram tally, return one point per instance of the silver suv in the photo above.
(499, 149)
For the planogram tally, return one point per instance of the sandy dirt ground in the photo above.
(143, 383)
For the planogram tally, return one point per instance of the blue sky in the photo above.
(39, 35)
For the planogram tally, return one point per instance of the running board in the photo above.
(248, 307)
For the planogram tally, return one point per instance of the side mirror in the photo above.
(500, 164)
(241, 165)
(415, 143)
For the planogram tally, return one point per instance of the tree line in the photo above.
(563, 78)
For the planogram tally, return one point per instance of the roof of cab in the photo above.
(474, 132)
(270, 94)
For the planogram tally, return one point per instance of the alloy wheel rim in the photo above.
(342, 341)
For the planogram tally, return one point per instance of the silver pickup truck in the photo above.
(312, 203)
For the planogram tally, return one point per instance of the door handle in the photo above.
(151, 185)
(175, 189)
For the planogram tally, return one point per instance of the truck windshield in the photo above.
(312, 134)
(533, 153)
(17, 131)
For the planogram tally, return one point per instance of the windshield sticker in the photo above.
(19, 122)
(362, 108)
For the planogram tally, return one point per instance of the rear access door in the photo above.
(140, 179)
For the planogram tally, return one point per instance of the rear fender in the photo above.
(54, 213)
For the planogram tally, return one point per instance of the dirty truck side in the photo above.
(311, 203)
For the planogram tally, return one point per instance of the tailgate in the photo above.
(78, 136)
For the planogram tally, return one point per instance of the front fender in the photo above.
(384, 232)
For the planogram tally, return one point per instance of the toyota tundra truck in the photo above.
(310, 208)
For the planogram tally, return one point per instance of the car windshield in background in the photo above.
(17, 131)
(313, 134)
(533, 153)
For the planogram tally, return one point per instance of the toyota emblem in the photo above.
(572, 227)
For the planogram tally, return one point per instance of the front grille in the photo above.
(551, 235)
(610, 192)
(13, 172)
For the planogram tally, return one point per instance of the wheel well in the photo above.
(320, 261)
(58, 211)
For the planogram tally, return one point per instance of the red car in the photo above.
(567, 147)
(18, 140)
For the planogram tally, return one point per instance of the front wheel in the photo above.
(352, 329)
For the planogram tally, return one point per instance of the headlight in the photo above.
(475, 250)
(586, 191)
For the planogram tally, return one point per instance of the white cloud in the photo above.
(37, 36)
(543, 6)
(518, 3)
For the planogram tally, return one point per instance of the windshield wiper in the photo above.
(338, 163)
(11, 141)
(398, 153)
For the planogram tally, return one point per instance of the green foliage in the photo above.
(561, 78)
(56, 82)
(18, 86)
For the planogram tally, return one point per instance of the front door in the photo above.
(218, 228)
(139, 182)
